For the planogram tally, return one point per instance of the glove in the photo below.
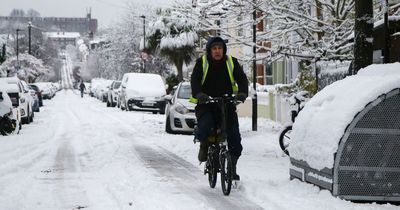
(241, 97)
(202, 98)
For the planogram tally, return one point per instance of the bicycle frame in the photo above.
(284, 136)
(219, 159)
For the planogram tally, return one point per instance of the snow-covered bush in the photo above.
(30, 68)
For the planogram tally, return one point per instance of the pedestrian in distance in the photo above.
(82, 87)
(217, 74)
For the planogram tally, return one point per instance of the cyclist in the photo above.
(217, 74)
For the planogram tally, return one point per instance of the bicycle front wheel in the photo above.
(285, 139)
(225, 162)
(212, 166)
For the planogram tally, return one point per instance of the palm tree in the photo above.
(174, 40)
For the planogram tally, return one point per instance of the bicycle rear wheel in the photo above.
(225, 162)
(212, 166)
(285, 139)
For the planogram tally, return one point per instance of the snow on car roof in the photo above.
(322, 122)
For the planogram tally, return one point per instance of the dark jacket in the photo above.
(217, 82)
(82, 86)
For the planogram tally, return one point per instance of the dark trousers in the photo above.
(81, 93)
(207, 122)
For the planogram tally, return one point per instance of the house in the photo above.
(62, 39)
(394, 40)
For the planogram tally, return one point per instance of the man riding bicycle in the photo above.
(216, 74)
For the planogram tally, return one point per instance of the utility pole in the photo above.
(144, 41)
(17, 50)
(254, 97)
(29, 35)
(3, 54)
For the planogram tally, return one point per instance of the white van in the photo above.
(143, 91)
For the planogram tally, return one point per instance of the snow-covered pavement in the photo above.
(80, 154)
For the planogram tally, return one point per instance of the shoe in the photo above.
(235, 176)
(202, 152)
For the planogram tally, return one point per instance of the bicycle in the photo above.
(218, 158)
(285, 135)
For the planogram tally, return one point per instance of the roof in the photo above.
(322, 122)
(62, 34)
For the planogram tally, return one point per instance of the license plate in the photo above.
(147, 104)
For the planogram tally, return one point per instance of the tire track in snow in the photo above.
(165, 165)
(190, 180)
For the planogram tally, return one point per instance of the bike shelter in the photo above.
(347, 137)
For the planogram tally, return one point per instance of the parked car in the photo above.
(102, 89)
(38, 93)
(48, 91)
(180, 114)
(18, 90)
(35, 104)
(10, 118)
(112, 93)
(93, 87)
(143, 92)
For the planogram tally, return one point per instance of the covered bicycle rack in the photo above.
(352, 147)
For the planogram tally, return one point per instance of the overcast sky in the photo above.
(106, 11)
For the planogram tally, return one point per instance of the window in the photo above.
(185, 92)
(240, 28)
(268, 74)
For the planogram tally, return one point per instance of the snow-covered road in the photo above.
(66, 72)
(80, 154)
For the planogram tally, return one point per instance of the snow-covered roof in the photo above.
(322, 122)
(390, 18)
(97, 41)
(62, 34)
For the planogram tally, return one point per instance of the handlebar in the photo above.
(225, 98)
(300, 97)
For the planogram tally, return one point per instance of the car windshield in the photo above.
(116, 85)
(184, 92)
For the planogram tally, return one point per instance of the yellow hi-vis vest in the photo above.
(229, 65)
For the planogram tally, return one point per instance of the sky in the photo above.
(106, 11)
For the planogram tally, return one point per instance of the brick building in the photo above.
(86, 26)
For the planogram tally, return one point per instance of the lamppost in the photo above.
(17, 30)
(29, 35)
(254, 97)
(144, 41)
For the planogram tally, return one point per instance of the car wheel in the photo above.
(168, 128)
(31, 117)
(27, 119)
(108, 104)
(127, 107)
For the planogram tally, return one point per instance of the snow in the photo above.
(62, 34)
(135, 82)
(78, 153)
(5, 101)
(321, 124)
(182, 40)
(91, 156)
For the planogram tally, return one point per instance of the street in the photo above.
(80, 154)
